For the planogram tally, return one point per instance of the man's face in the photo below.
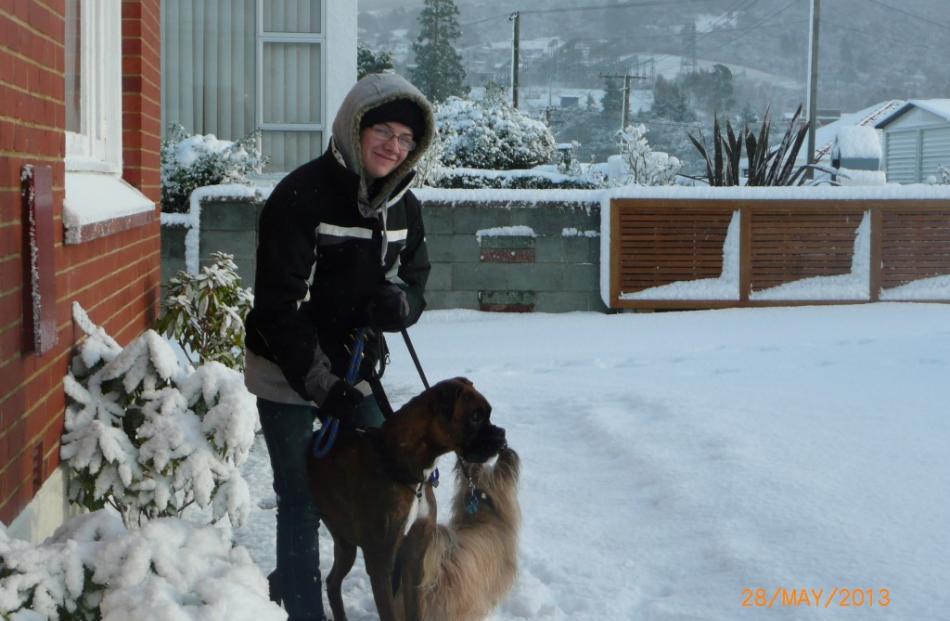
(381, 148)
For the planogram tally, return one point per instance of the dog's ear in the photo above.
(446, 394)
(464, 380)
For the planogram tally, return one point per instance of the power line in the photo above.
(876, 35)
(921, 18)
(599, 7)
(618, 5)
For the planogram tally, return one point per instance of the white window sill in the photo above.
(98, 204)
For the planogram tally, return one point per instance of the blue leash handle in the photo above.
(324, 439)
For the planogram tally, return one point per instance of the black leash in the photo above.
(415, 358)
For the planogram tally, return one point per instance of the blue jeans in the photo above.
(288, 433)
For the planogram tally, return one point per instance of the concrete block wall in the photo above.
(549, 270)
(227, 225)
(554, 267)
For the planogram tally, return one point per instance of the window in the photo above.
(95, 191)
(290, 97)
(93, 85)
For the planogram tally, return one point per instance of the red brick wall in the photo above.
(116, 278)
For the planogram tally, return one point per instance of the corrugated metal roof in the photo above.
(940, 107)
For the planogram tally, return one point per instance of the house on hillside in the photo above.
(916, 140)
(281, 66)
(79, 145)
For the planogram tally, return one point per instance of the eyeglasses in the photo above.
(385, 134)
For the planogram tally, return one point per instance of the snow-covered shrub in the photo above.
(193, 161)
(492, 134)
(149, 437)
(944, 175)
(205, 313)
(429, 166)
(94, 569)
(567, 159)
(644, 165)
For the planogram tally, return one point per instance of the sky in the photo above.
(687, 465)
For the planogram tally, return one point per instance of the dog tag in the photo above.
(472, 505)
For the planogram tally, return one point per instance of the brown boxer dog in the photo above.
(369, 487)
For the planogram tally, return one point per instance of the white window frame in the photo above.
(94, 154)
(98, 145)
(294, 37)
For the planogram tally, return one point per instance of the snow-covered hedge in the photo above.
(193, 161)
(93, 568)
(491, 134)
(474, 179)
(148, 436)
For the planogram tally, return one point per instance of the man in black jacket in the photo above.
(341, 249)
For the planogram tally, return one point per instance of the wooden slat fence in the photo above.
(671, 242)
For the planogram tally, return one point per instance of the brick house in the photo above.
(80, 132)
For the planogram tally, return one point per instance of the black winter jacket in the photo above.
(319, 260)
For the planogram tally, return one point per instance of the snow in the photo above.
(940, 107)
(84, 205)
(672, 460)
(855, 177)
(521, 197)
(570, 231)
(858, 141)
(505, 231)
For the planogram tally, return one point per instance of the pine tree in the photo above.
(438, 72)
(669, 101)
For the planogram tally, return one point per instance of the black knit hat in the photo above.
(402, 111)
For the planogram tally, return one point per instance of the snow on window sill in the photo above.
(99, 204)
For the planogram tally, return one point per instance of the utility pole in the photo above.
(626, 93)
(515, 19)
(813, 83)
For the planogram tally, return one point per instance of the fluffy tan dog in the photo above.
(462, 571)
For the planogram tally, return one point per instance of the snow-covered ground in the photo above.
(673, 463)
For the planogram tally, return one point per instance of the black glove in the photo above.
(341, 402)
(388, 309)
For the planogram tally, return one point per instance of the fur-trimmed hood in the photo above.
(370, 92)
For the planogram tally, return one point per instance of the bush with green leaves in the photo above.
(194, 161)
(205, 313)
(149, 436)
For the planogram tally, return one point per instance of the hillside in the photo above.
(871, 50)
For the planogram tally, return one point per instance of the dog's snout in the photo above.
(498, 434)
